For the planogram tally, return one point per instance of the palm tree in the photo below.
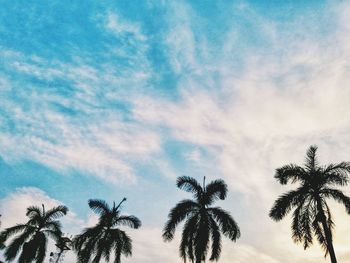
(32, 237)
(312, 216)
(203, 222)
(99, 241)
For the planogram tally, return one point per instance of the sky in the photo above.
(111, 99)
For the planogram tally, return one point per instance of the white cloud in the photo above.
(249, 121)
(76, 131)
(120, 26)
(194, 156)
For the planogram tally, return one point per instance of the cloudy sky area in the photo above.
(106, 99)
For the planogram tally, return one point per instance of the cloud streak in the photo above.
(252, 96)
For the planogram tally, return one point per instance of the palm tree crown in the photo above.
(203, 223)
(312, 214)
(32, 237)
(99, 241)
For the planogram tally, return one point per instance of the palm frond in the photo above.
(10, 231)
(286, 202)
(227, 224)
(334, 178)
(306, 224)
(319, 233)
(216, 241)
(99, 206)
(338, 196)
(190, 185)
(55, 213)
(16, 244)
(127, 245)
(311, 161)
(215, 190)
(343, 167)
(131, 221)
(290, 172)
(98, 254)
(54, 226)
(297, 232)
(34, 211)
(176, 215)
(188, 232)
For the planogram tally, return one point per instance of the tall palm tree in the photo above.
(312, 216)
(99, 241)
(32, 237)
(203, 222)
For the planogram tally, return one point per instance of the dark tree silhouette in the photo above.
(204, 223)
(99, 241)
(312, 216)
(2, 245)
(62, 246)
(32, 237)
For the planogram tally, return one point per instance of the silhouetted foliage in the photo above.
(100, 240)
(62, 246)
(32, 237)
(203, 223)
(2, 245)
(312, 216)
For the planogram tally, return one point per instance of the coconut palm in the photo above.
(100, 240)
(203, 223)
(312, 215)
(31, 238)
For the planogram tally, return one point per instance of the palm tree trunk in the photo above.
(327, 232)
(328, 240)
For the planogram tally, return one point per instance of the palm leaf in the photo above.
(176, 216)
(215, 190)
(99, 206)
(130, 221)
(226, 223)
(190, 185)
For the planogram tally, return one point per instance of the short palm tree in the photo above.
(203, 223)
(312, 216)
(32, 237)
(100, 240)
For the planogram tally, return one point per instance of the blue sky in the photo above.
(106, 99)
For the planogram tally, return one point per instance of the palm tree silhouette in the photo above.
(312, 215)
(203, 222)
(32, 237)
(2, 245)
(99, 241)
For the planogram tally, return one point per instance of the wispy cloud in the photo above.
(71, 116)
(254, 93)
(263, 117)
